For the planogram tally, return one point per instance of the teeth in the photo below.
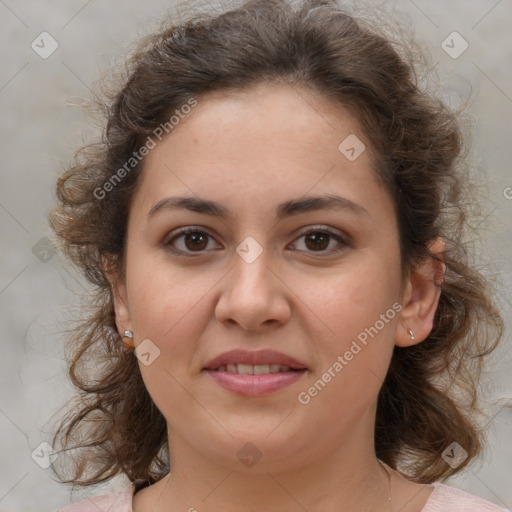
(261, 369)
(245, 369)
(249, 369)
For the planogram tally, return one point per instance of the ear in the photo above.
(120, 297)
(421, 297)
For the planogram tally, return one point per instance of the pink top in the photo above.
(443, 499)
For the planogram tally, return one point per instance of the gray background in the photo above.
(40, 130)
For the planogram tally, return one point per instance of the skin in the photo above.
(250, 151)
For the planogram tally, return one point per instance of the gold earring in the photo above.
(128, 339)
(411, 334)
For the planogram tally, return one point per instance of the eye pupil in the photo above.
(320, 241)
(199, 240)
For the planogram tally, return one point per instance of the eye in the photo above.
(189, 240)
(321, 240)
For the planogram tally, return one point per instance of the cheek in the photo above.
(354, 357)
(161, 295)
(355, 316)
(170, 308)
(352, 298)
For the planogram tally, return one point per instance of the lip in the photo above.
(254, 385)
(266, 356)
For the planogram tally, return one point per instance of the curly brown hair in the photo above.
(429, 395)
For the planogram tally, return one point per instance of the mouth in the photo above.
(257, 369)
(252, 373)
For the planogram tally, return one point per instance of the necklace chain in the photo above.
(388, 474)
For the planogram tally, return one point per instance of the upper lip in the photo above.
(258, 357)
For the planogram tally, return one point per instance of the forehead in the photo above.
(272, 113)
(266, 141)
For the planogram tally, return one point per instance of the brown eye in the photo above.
(195, 241)
(317, 241)
(189, 240)
(321, 241)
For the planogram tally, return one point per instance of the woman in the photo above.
(286, 318)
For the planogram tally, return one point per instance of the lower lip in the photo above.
(253, 385)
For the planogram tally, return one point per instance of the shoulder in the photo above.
(449, 499)
(113, 502)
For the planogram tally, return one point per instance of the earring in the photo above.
(411, 334)
(128, 339)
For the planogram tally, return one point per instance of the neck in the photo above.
(349, 475)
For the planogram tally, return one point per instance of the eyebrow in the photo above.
(286, 209)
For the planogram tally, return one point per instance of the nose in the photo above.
(253, 296)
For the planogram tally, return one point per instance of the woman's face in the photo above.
(272, 264)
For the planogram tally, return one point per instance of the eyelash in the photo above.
(168, 243)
